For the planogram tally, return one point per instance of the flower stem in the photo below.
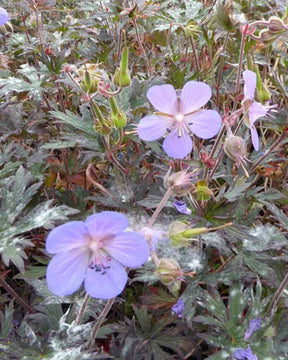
(99, 322)
(221, 70)
(160, 207)
(272, 147)
(277, 295)
(240, 62)
(13, 293)
(82, 310)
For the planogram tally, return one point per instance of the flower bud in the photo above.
(170, 274)
(180, 234)
(119, 119)
(202, 191)
(122, 75)
(276, 25)
(264, 94)
(235, 148)
(90, 76)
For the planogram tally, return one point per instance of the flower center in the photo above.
(179, 118)
(99, 259)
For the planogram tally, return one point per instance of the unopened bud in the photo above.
(202, 191)
(191, 29)
(276, 25)
(170, 274)
(264, 94)
(90, 76)
(235, 148)
(119, 119)
(122, 75)
(180, 235)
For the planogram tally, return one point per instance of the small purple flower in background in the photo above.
(254, 325)
(94, 251)
(244, 354)
(178, 308)
(4, 17)
(179, 117)
(254, 108)
(181, 207)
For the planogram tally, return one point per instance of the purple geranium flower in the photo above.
(244, 354)
(178, 308)
(178, 116)
(254, 325)
(3, 16)
(255, 109)
(94, 251)
(181, 207)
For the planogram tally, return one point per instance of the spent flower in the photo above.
(95, 251)
(179, 116)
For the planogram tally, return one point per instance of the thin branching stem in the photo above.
(268, 151)
(14, 294)
(277, 295)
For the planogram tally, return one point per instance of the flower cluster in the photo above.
(94, 251)
(179, 116)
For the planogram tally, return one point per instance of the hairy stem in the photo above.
(99, 322)
(160, 207)
(82, 310)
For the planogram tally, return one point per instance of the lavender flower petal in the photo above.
(181, 207)
(106, 223)
(255, 138)
(129, 248)
(163, 98)
(153, 127)
(177, 147)
(67, 237)
(178, 308)
(250, 84)
(4, 17)
(205, 124)
(244, 354)
(66, 271)
(256, 111)
(106, 283)
(254, 325)
(194, 95)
